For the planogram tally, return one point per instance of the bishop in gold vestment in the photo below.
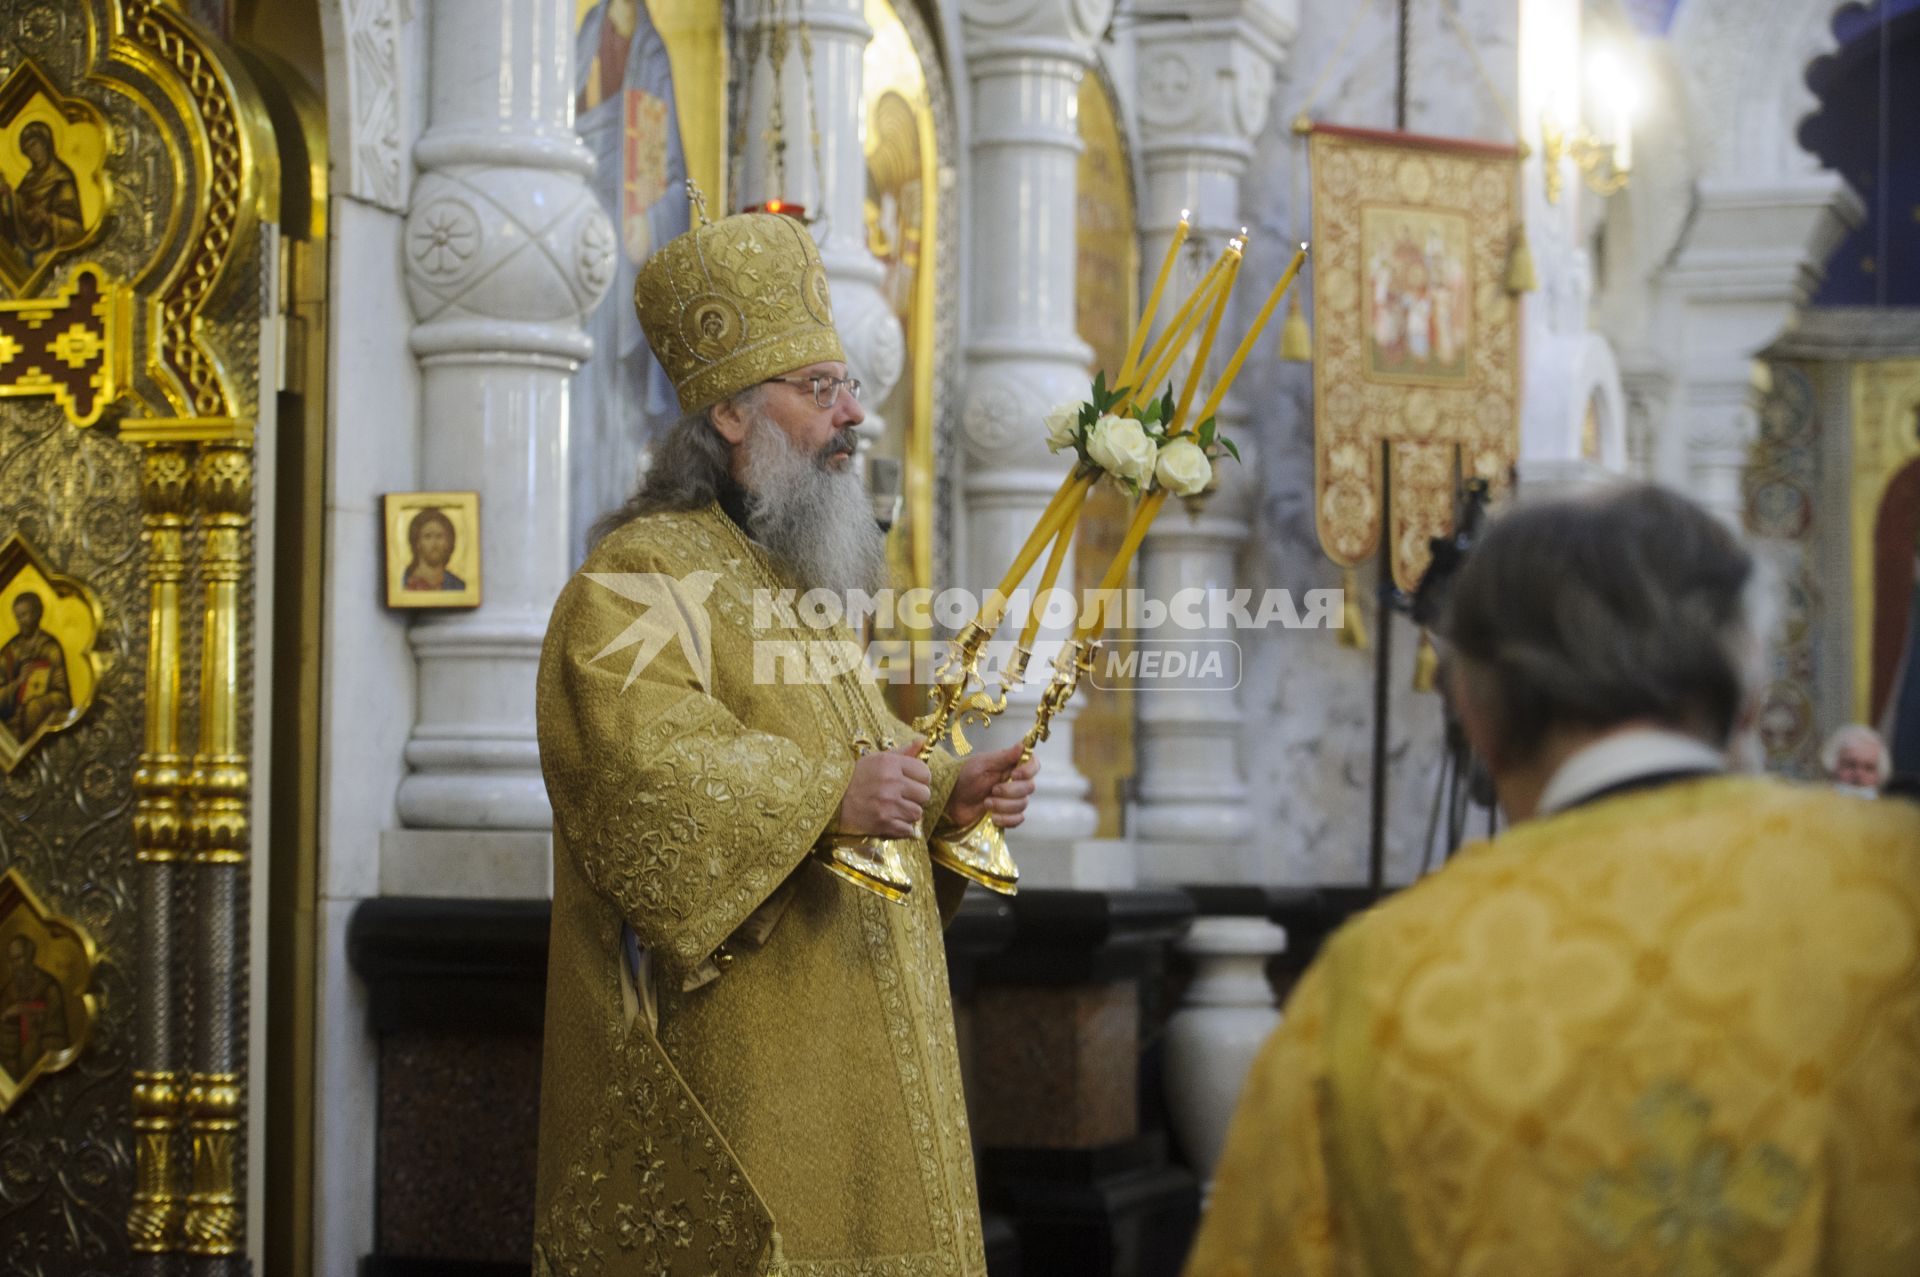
(750, 1062)
(1667, 1025)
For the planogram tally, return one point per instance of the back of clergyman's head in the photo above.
(1598, 610)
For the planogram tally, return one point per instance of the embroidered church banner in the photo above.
(1416, 339)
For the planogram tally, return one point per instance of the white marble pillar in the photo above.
(1752, 258)
(1203, 92)
(838, 33)
(505, 251)
(1024, 353)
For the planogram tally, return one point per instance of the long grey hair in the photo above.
(690, 466)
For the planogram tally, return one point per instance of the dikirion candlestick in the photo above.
(1119, 433)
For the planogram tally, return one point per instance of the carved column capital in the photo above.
(1001, 25)
(1204, 85)
(506, 248)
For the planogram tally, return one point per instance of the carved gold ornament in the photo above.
(74, 346)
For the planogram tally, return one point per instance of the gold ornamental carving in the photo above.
(46, 972)
(153, 1224)
(228, 163)
(212, 1222)
(159, 778)
(137, 166)
(74, 346)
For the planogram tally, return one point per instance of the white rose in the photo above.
(1063, 426)
(1183, 469)
(1119, 445)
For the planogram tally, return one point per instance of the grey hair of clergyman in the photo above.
(1598, 610)
(688, 468)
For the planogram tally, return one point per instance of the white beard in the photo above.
(815, 520)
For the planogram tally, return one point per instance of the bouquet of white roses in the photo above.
(1133, 443)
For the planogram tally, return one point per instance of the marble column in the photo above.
(1024, 354)
(834, 196)
(505, 251)
(1204, 88)
(1753, 257)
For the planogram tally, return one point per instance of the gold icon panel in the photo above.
(48, 667)
(53, 176)
(46, 967)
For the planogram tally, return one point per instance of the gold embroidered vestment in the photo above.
(1674, 1032)
(793, 1104)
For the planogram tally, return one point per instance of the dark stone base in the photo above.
(1003, 1245)
(1121, 1210)
(459, 1123)
(456, 992)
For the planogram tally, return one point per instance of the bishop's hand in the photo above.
(998, 783)
(888, 794)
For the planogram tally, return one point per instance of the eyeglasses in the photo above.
(826, 390)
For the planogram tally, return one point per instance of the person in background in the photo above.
(1855, 760)
(1668, 1022)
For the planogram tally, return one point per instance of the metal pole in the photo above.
(1382, 699)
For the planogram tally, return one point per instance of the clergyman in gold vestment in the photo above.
(750, 1063)
(1668, 1024)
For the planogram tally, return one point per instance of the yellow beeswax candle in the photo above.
(1206, 344)
(1096, 618)
(1141, 329)
(1157, 352)
(1062, 539)
(1076, 482)
(1232, 369)
(1176, 337)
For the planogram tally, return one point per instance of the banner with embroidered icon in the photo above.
(1416, 360)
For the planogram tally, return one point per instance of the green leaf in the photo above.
(1228, 445)
(1207, 429)
(1099, 385)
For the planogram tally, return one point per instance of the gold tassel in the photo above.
(1521, 277)
(1296, 340)
(1426, 663)
(1353, 623)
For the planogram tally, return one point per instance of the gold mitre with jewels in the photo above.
(734, 302)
